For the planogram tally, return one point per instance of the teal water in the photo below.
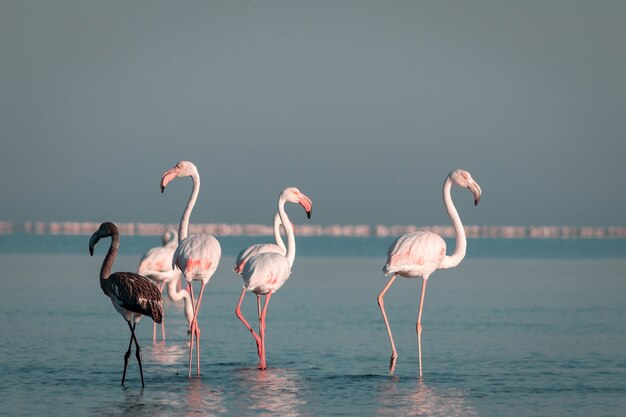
(520, 328)
(481, 248)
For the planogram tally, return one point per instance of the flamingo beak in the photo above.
(92, 242)
(168, 176)
(475, 189)
(307, 204)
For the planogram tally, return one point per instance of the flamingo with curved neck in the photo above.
(197, 256)
(250, 251)
(421, 253)
(265, 273)
(156, 264)
(132, 295)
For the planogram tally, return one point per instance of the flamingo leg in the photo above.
(263, 364)
(161, 286)
(243, 320)
(163, 321)
(194, 326)
(381, 305)
(127, 354)
(137, 352)
(261, 348)
(192, 329)
(418, 326)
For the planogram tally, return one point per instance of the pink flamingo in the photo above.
(265, 273)
(156, 264)
(197, 256)
(419, 254)
(250, 251)
(132, 295)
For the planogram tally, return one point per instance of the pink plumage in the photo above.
(421, 253)
(156, 264)
(197, 256)
(265, 273)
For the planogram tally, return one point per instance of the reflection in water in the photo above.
(134, 402)
(203, 399)
(271, 392)
(418, 399)
(169, 354)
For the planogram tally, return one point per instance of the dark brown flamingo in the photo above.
(132, 295)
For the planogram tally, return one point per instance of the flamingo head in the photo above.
(181, 169)
(293, 195)
(463, 179)
(169, 236)
(106, 229)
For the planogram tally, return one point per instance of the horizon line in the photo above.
(358, 230)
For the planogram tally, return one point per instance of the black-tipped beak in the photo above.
(475, 189)
(92, 243)
(162, 189)
(308, 214)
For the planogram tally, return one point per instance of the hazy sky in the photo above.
(364, 105)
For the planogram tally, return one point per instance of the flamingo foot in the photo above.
(392, 362)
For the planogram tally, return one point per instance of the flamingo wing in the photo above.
(197, 256)
(415, 254)
(157, 259)
(135, 293)
(253, 250)
(266, 272)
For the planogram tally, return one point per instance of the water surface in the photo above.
(503, 336)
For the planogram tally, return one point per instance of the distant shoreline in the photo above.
(223, 229)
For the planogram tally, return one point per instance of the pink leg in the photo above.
(418, 326)
(258, 309)
(192, 325)
(161, 286)
(193, 303)
(263, 364)
(195, 332)
(243, 320)
(381, 304)
(163, 321)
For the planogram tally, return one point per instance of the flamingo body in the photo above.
(198, 256)
(250, 251)
(156, 264)
(415, 255)
(266, 272)
(159, 260)
(253, 250)
(134, 296)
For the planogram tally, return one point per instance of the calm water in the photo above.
(520, 328)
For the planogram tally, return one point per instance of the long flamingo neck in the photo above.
(291, 241)
(107, 264)
(277, 237)
(175, 295)
(183, 228)
(461, 243)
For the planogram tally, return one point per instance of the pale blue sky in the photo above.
(363, 105)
